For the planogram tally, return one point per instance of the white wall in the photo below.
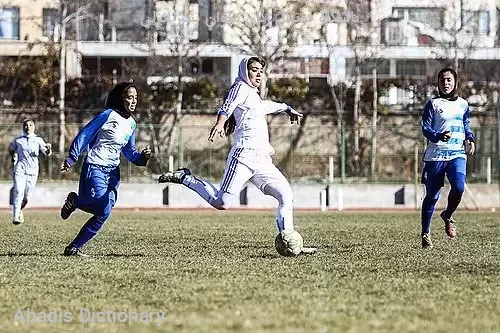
(349, 196)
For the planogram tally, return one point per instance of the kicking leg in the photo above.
(235, 176)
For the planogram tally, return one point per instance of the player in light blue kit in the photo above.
(24, 151)
(104, 137)
(446, 125)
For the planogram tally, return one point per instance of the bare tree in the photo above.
(266, 30)
(173, 59)
(355, 19)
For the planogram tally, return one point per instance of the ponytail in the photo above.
(230, 123)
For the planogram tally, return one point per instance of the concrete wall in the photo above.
(349, 196)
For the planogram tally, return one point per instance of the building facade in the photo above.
(324, 39)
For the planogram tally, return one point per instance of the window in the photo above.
(476, 21)
(498, 21)
(432, 16)
(9, 23)
(50, 22)
(411, 68)
(193, 25)
(207, 66)
(367, 66)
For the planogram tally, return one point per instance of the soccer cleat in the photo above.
(449, 225)
(176, 176)
(69, 206)
(18, 219)
(71, 251)
(426, 241)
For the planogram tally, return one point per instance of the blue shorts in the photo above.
(98, 188)
(435, 171)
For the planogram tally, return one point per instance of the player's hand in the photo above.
(146, 152)
(471, 147)
(294, 115)
(445, 136)
(217, 129)
(48, 149)
(65, 166)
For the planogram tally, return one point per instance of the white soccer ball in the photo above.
(289, 243)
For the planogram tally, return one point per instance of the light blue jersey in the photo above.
(441, 115)
(27, 147)
(105, 137)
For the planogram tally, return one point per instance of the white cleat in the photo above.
(309, 250)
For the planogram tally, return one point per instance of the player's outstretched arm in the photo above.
(294, 115)
(218, 127)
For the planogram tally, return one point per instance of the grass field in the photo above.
(218, 272)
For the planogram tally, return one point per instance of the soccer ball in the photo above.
(289, 243)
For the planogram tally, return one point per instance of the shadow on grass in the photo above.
(123, 255)
(25, 254)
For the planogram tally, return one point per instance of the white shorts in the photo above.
(245, 164)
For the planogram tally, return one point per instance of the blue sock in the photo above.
(427, 210)
(456, 176)
(88, 231)
(428, 205)
(454, 199)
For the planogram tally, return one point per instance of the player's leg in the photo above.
(456, 171)
(29, 189)
(19, 188)
(105, 190)
(433, 178)
(72, 200)
(269, 179)
(235, 176)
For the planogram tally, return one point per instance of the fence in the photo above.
(312, 154)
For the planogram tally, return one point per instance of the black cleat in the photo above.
(176, 176)
(71, 251)
(69, 206)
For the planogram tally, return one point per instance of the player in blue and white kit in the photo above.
(446, 125)
(244, 112)
(104, 138)
(24, 151)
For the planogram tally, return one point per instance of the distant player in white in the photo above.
(244, 112)
(24, 151)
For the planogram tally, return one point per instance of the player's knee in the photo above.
(430, 198)
(458, 187)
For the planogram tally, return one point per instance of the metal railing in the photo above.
(316, 157)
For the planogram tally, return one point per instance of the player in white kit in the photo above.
(24, 151)
(244, 112)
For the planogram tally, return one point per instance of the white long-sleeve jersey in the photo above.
(244, 102)
(27, 147)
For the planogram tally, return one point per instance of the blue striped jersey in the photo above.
(106, 136)
(440, 115)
